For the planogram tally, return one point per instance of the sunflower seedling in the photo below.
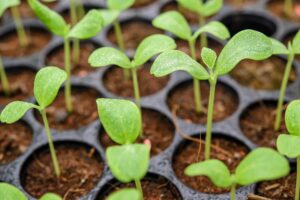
(175, 23)
(262, 164)
(149, 47)
(46, 86)
(122, 121)
(289, 144)
(247, 44)
(125, 194)
(88, 27)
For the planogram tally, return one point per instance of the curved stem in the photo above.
(19, 27)
(51, 145)
(68, 95)
(4, 80)
(284, 83)
(297, 190)
(232, 192)
(139, 188)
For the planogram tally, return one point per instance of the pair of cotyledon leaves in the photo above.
(202, 8)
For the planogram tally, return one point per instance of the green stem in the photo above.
(76, 51)
(288, 8)
(284, 83)
(68, 95)
(232, 191)
(4, 81)
(203, 38)
(73, 12)
(19, 27)
(139, 188)
(51, 145)
(74, 20)
(210, 113)
(136, 87)
(297, 190)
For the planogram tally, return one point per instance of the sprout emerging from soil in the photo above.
(262, 164)
(289, 145)
(292, 49)
(125, 194)
(122, 122)
(175, 23)
(247, 44)
(46, 86)
(88, 27)
(149, 47)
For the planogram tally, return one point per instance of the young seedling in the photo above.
(247, 44)
(46, 86)
(4, 80)
(88, 27)
(13, 5)
(149, 47)
(122, 121)
(289, 145)
(125, 194)
(292, 49)
(175, 23)
(262, 164)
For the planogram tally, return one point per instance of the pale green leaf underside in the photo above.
(279, 48)
(292, 118)
(296, 43)
(151, 46)
(214, 28)
(5, 4)
(289, 145)
(109, 16)
(119, 4)
(193, 5)
(50, 196)
(262, 164)
(10, 192)
(125, 194)
(128, 162)
(209, 57)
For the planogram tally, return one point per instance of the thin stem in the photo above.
(19, 26)
(74, 20)
(288, 8)
(203, 38)
(51, 145)
(136, 87)
(232, 192)
(68, 95)
(138, 186)
(297, 191)
(76, 51)
(284, 83)
(73, 13)
(4, 81)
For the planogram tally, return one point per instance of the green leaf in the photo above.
(54, 22)
(173, 60)
(151, 46)
(121, 119)
(109, 16)
(128, 162)
(119, 4)
(209, 57)
(278, 47)
(15, 111)
(215, 170)
(125, 194)
(262, 164)
(175, 23)
(214, 28)
(47, 84)
(109, 56)
(7, 4)
(296, 43)
(192, 5)
(88, 27)
(50, 196)
(211, 7)
(289, 145)
(10, 192)
(247, 44)
(292, 118)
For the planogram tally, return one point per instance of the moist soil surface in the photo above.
(143, 3)
(14, 141)
(157, 188)
(133, 33)
(181, 101)
(227, 150)
(257, 123)
(262, 75)
(115, 82)
(81, 169)
(37, 40)
(21, 85)
(281, 189)
(240, 3)
(81, 67)
(84, 109)
(277, 8)
(156, 128)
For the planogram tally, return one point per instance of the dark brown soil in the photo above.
(153, 189)
(262, 75)
(133, 33)
(37, 39)
(84, 110)
(181, 100)
(277, 8)
(116, 83)
(81, 169)
(282, 189)
(21, 85)
(156, 128)
(240, 3)
(14, 141)
(82, 67)
(257, 123)
(143, 3)
(224, 149)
